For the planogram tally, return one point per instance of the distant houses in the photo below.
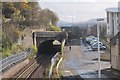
(84, 29)
(113, 32)
(75, 31)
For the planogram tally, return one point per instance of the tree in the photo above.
(54, 28)
(7, 9)
(28, 14)
(47, 16)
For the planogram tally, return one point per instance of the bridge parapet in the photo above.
(47, 34)
(40, 36)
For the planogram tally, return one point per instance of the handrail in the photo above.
(63, 44)
(13, 59)
(58, 65)
(53, 60)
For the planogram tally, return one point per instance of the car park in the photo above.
(93, 42)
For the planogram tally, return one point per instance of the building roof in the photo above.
(113, 9)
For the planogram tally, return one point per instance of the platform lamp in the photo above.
(98, 34)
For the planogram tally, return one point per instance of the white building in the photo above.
(113, 31)
(113, 26)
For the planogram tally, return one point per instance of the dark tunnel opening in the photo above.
(48, 48)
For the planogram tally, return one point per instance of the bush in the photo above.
(34, 49)
(6, 53)
(54, 28)
(17, 48)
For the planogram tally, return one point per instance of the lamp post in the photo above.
(98, 34)
(72, 24)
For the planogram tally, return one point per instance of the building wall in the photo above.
(118, 64)
(114, 56)
(113, 24)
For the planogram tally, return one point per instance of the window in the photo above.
(112, 16)
(108, 17)
(117, 41)
(117, 14)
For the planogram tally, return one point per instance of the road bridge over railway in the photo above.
(48, 41)
(41, 36)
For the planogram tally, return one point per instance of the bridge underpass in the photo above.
(44, 42)
(47, 47)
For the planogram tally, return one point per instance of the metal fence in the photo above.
(13, 59)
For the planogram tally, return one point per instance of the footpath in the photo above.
(80, 62)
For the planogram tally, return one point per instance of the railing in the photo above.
(13, 59)
(53, 60)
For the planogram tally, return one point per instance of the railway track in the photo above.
(40, 71)
(29, 70)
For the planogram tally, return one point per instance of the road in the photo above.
(80, 61)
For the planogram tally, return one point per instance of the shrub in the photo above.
(6, 53)
(34, 48)
(54, 28)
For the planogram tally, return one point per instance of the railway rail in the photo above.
(40, 71)
(31, 69)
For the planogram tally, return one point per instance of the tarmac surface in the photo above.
(79, 61)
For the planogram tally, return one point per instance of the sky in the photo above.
(78, 10)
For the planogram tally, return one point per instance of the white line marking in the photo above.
(69, 72)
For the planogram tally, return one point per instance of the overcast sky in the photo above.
(81, 10)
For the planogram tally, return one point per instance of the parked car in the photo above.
(94, 42)
(95, 46)
(90, 38)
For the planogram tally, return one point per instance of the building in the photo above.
(115, 52)
(113, 22)
(113, 32)
(67, 28)
(75, 32)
